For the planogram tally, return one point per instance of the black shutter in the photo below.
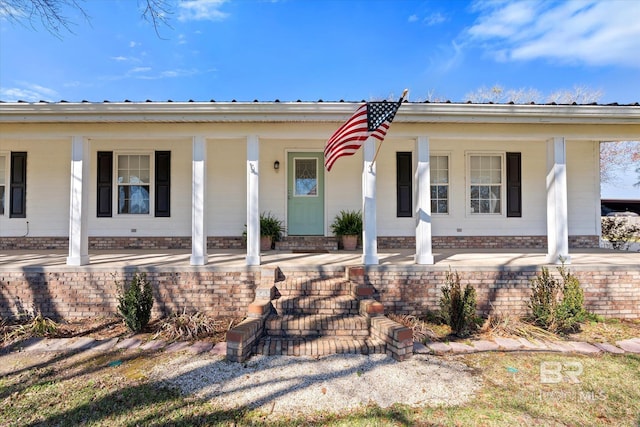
(105, 183)
(514, 185)
(163, 183)
(18, 185)
(404, 203)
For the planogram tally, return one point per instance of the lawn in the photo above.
(115, 389)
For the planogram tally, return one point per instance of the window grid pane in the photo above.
(486, 184)
(439, 184)
(133, 183)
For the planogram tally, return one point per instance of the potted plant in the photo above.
(271, 229)
(347, 225)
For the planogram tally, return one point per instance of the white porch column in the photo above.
(79, 206)
(370, 231)
(253, 197)
(557, 216)
(198, 202)
(424, 254)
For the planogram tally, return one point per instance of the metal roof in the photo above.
(318, 111)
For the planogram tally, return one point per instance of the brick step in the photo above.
(327, 305)
(321, 346)
(315, 287)
(314, 325)
(308, 243)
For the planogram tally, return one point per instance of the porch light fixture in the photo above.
(276, 165)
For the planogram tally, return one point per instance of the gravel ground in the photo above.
(299, 385)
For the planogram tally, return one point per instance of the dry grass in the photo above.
(192, 326)
(421, 331)
(29, 326)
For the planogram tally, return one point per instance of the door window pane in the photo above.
(306, 177)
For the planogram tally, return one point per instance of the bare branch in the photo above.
(156, 12)
(53, 14)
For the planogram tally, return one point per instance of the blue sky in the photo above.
(330, 50)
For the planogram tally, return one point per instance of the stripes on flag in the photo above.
(370, 119)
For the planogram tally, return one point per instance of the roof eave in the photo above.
(280, 112)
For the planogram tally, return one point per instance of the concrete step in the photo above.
(327, 305)
(316, 325)
(320, 346)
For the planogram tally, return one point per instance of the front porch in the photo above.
(456, 259)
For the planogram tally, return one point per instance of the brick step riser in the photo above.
(310, 306)
(338, 288)
(317, 325)
(301, 311)
(317, 347)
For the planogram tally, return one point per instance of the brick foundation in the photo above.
(293, 243)
(75, 295)
(84, 293)
(607, 292)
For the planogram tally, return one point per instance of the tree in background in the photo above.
(498, 94)
(53, 14)
(617, 156)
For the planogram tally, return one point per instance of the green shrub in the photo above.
(458, 307)
(135, 303)
(557, 305)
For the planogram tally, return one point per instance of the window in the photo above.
(439, 184)
(134, 185)
(485, 176)
(133, 178)
(3, 182)
(404, 190)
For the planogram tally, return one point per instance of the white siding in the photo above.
(48, 187)
(583, 187)
(226, 187)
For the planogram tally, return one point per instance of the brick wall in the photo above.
(73, 295)
(611, 292)
(608, 292)
(237, 242)
(115, 243)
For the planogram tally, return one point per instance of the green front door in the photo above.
(305, 194)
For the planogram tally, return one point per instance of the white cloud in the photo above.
(140, 69)
(432, 19)
(593, 32)
(435, 18)
(27, 92)
(201, 10)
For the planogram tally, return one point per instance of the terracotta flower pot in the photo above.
(265, 243)
(349, 242)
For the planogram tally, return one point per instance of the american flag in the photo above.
(371, 118)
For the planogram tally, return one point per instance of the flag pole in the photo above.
(404, 94)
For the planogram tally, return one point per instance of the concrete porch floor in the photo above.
(388, 259)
